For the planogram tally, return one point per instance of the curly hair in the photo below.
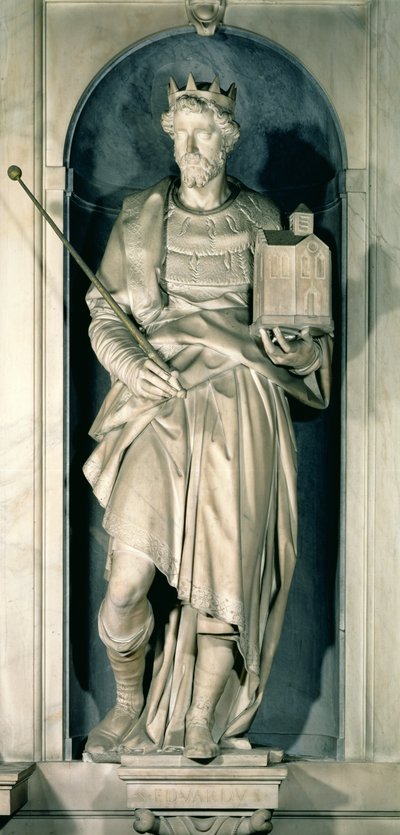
(193, 104)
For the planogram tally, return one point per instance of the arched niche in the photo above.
(291, 147)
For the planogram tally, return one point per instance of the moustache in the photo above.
(195, 159)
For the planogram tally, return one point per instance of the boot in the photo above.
(214, 663)
(127, 659)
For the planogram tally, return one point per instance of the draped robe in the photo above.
(203, 486)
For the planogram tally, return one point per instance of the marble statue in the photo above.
(195, 468)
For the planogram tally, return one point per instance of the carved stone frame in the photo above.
(51, 35)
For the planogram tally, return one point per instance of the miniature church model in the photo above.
(292, 278)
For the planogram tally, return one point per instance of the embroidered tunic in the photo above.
(204, 486)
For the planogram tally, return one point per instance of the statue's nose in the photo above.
(191, 146)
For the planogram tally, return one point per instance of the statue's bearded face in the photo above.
(199, 147)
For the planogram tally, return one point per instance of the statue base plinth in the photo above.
(234, 785)
(14, 786)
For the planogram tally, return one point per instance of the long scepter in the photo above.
(15, 173)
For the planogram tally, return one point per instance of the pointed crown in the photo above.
(203, 90)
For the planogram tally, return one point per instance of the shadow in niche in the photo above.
(296, 172)
(296, 161)
(292, 161)
(89, 383)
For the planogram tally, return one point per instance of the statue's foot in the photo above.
(199, 743)
(105, 738)
(137, 741)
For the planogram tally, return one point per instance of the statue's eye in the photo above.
(203, 134)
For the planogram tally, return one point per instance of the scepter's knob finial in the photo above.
(14, 172)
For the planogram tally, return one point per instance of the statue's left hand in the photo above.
(296, 353)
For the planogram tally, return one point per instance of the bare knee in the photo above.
(124, 595)
(130, 581)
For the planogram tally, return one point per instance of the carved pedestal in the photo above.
(14, 786)
(234, 794)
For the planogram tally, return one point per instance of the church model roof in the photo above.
(283, 237)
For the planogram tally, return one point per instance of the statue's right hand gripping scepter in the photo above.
(15, 173)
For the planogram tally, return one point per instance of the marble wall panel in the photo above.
(354, 606)
(384, 408)
(20, 439)
(53, 483)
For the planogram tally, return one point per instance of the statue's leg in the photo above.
(125, 625)
(216, 651)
